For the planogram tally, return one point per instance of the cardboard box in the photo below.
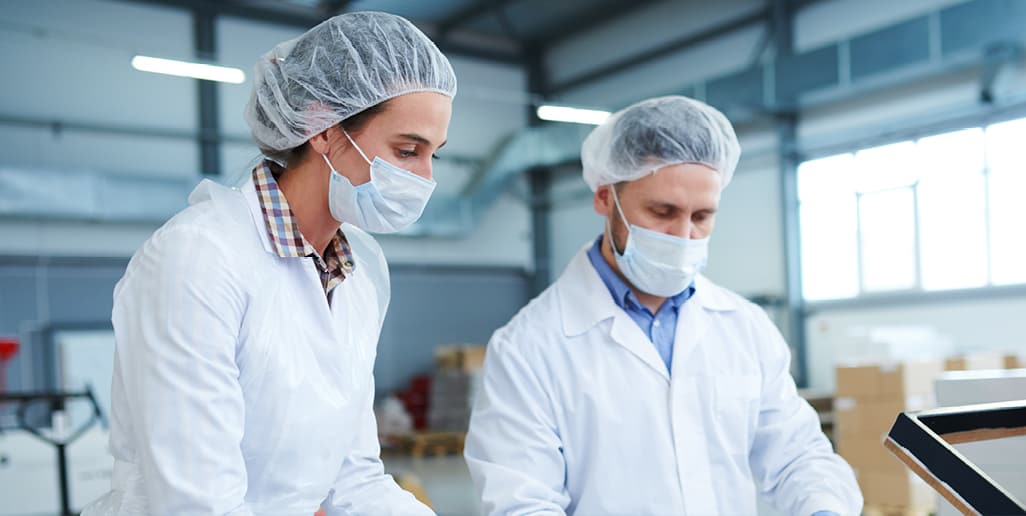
(464, 357)
(473, 358)
(1013, 361)
(870, 418)
(888, 380)
(869, 454)
(973, 361)
(447, 357)
(895, 490)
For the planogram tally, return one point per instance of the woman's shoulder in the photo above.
(216, 226)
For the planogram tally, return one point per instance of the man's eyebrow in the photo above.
(663, 205)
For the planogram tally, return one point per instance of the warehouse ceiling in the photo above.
(498, 30)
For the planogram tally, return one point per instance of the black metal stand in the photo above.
(925, 441)
(57, 401)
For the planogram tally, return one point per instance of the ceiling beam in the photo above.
(580, 23)
(468, 14)
(333, 7)
(304, 21)
(669, 48)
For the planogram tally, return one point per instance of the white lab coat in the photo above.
(237, 389)
(578, 414)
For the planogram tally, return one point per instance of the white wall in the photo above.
(79, 71)
(973, 325)
(58, 67)
(502, 238)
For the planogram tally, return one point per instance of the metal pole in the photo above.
(62, 475)
(788, 159)
(205, 45)
(540, 181)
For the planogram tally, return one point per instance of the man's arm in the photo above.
(513, 449)
(791, 459)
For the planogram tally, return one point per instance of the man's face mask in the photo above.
(656, 263)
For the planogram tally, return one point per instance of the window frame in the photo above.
(917, 292)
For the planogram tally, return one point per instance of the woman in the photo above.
(246, 327)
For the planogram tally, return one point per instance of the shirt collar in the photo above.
(282, 227)
(621, 292)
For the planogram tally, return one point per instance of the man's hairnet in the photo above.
(337, 69)
(657, 133)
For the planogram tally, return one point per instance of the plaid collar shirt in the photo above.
(286, 238)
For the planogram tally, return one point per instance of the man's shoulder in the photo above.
(538, 322)
(717, 296)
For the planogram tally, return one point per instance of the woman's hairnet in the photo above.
(656, 133)
(337, 69)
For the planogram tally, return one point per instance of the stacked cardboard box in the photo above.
(1014, 361)
(974, 361)
(869, 399)
(456, 383)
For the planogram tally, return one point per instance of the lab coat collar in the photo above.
(585, 301)
(209, 190)
(248, 190)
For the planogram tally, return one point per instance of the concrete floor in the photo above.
(446, 481)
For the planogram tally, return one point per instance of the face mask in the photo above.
(391, 201)
(656, 263)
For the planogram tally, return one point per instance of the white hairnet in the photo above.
(656, 133)
(337, 69)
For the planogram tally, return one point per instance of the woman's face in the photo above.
(407, 134)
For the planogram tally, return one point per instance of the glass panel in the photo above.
(1006, 146)
(826, 177)
(953, 230)
(888, 240)
(957, 152)
(883, 168)
(1008, 227)
(1006, 157)
(829, 233)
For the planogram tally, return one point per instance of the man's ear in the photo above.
(603, 200)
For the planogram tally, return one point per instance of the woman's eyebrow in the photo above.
(420, 139)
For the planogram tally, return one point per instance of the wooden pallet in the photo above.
(421, 444)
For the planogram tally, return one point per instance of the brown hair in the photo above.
(351, 125)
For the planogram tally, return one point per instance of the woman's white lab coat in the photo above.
(237, 389)
(578, 413)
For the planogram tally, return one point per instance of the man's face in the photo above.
(680, 200)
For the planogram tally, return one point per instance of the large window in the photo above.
(938, 213)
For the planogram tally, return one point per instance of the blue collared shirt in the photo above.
(659, 327)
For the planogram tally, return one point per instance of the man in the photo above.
(634, 385)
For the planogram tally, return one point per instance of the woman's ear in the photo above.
(328, 139)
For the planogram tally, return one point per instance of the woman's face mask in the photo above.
(391, 201)
(656, 263)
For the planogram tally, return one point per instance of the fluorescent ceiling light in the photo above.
(187, 69)
(573, 115)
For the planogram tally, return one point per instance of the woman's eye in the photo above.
(406, 153)
(435, 156)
